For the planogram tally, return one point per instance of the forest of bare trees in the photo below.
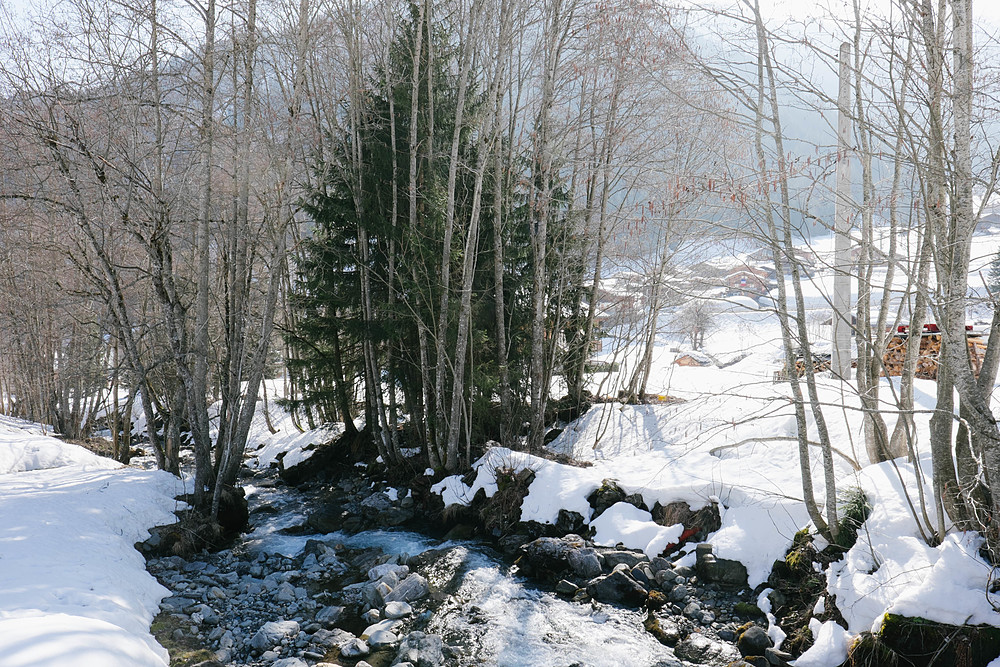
(408, 210)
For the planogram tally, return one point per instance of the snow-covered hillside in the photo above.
(729, 437)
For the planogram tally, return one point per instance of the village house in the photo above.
(746, 280)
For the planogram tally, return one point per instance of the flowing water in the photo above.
(478, 602)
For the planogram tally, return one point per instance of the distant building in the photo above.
(747, 280)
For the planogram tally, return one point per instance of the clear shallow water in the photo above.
(496, 616)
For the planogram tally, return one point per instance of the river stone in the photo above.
(584, 562)
(327, 519)
(692, 609)
(371, 616)
(777, 657)
(375, 503)
(355, 648)
(700, 649)
(397, 610)
(394, 516)
(617, 588)
(754, 641)
(290, 662)
(422, 650)
(382, 638)
(643, 574)
(208, 614)
(380, 571)
(678, 593)
(569, 521)
(176, 604)
(617, 557)
(666, 578)
(286, 592)
(388, 625)
(329, 615)
(565, 587)
(659, 563)
(335, 638)
(546, 555)
(606, 495)
(412, 588)
(271, 633)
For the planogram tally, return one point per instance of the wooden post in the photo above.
(842, 226)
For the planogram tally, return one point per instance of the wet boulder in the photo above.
(753, 641)
(413, 587)
(327, 519)
(548, 556)
(421, 650)
(618, 588)
(616, 557)
(584, 562)
(375, 503)
(570, 522)
(699, 649)
(355, 648)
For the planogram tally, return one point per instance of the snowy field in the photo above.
(73, 589)
(731, 441)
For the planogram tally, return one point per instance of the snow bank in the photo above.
(892, 569)
(634, 528)
(73, 589)
(829, 648)
(22, 450)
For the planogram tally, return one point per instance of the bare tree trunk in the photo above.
(199, 418)
(778, 255)
(556, 25)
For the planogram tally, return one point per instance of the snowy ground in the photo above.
(73, 589)
(731, 441)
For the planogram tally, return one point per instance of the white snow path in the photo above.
(73, 589)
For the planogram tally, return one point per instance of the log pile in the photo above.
(820, 364)
(930, 350)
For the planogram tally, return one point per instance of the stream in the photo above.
(285, 596)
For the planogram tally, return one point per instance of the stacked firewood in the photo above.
(930, 350)
(820, 364)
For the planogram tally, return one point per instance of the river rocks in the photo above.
(606, 495)
(382, 570)
(570, 522)
(329, 615)
(421, 650)
(617, 588)
(355, 648)
(329, 588)
(272, 633)
(290, 662)
(397, 609)
(616, 557)
(381, 639)
(584, 562)
(565, 587)
(700, 649)
(410, 589)
(326, 519)
(753, 641)
(335, 638)
(547, 556)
